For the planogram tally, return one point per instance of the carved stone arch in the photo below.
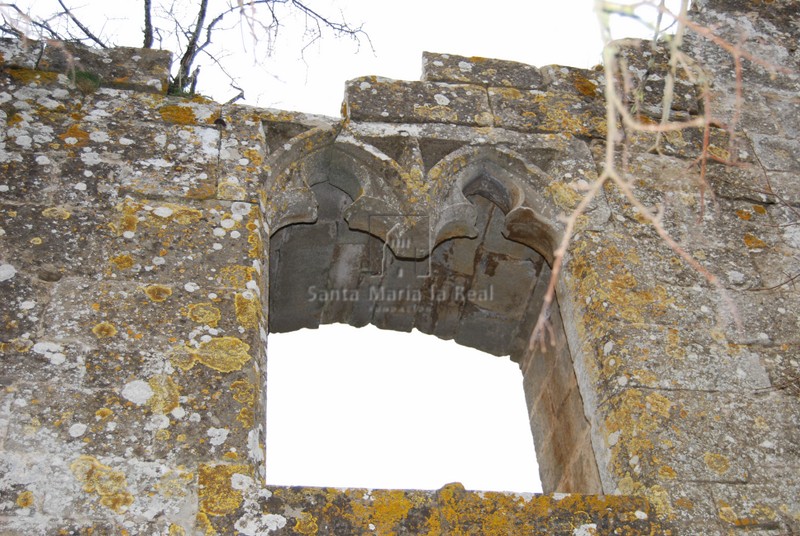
(286, 196)
(511, 182)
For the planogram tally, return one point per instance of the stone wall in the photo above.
(148, 244)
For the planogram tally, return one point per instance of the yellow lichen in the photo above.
(237, 276)
(231, 191)
(25, 499)
(389, 508)
(166, 394)
(104, 330)
(158, 293)
(306, 524)
(176, 530)
(204, 524)
(716, 462)
(36, 241)
(181, 115)
(247, 311)
(563, 196)
(101, 479)
(758, 209)
(122, 262)
(658, 404)
(244, 392)
(215, 492)
(103, 413)
(223, 354)
(56, 213)
(246, 417)
(744, 214)
(204, 313)
(436, 113)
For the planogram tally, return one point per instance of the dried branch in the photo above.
(82, 27)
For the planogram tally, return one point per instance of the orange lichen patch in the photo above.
(157, 293)
(585, 86)
(389, 508)
(204, 191)
(244, 392)
(27, 76)
(237, 276)
(25, 499)
(306, 524)
(75, 136)
(178, 114)
(103, 413)
(758, 209)
(204, 313)
(247, 311)
(667, 472)
(104, 330)
(216, 494)
(716, 462)
(223, 354)
(122, 262)
(744, 214)
(753, 242)
(658, 404)
(56, 213)
(166, 394)
(101, 479)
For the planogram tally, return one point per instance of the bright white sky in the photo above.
(403, 387)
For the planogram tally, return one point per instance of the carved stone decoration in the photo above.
(286, 195)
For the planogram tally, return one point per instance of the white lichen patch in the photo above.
(253, 524)
(137, 391)
(163, 212)
(217, 435)
(77, 430)
(50, 350)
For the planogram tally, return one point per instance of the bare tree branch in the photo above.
(80, 25)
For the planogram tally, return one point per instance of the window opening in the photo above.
(363, 407)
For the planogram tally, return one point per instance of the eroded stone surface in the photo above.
(149, 243)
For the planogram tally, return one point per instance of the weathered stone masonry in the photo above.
(148, 244)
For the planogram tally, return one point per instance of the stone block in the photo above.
(549, 112)
(480, 71)
(392, 101)
(145, 70)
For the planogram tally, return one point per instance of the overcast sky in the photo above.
(402, 389)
